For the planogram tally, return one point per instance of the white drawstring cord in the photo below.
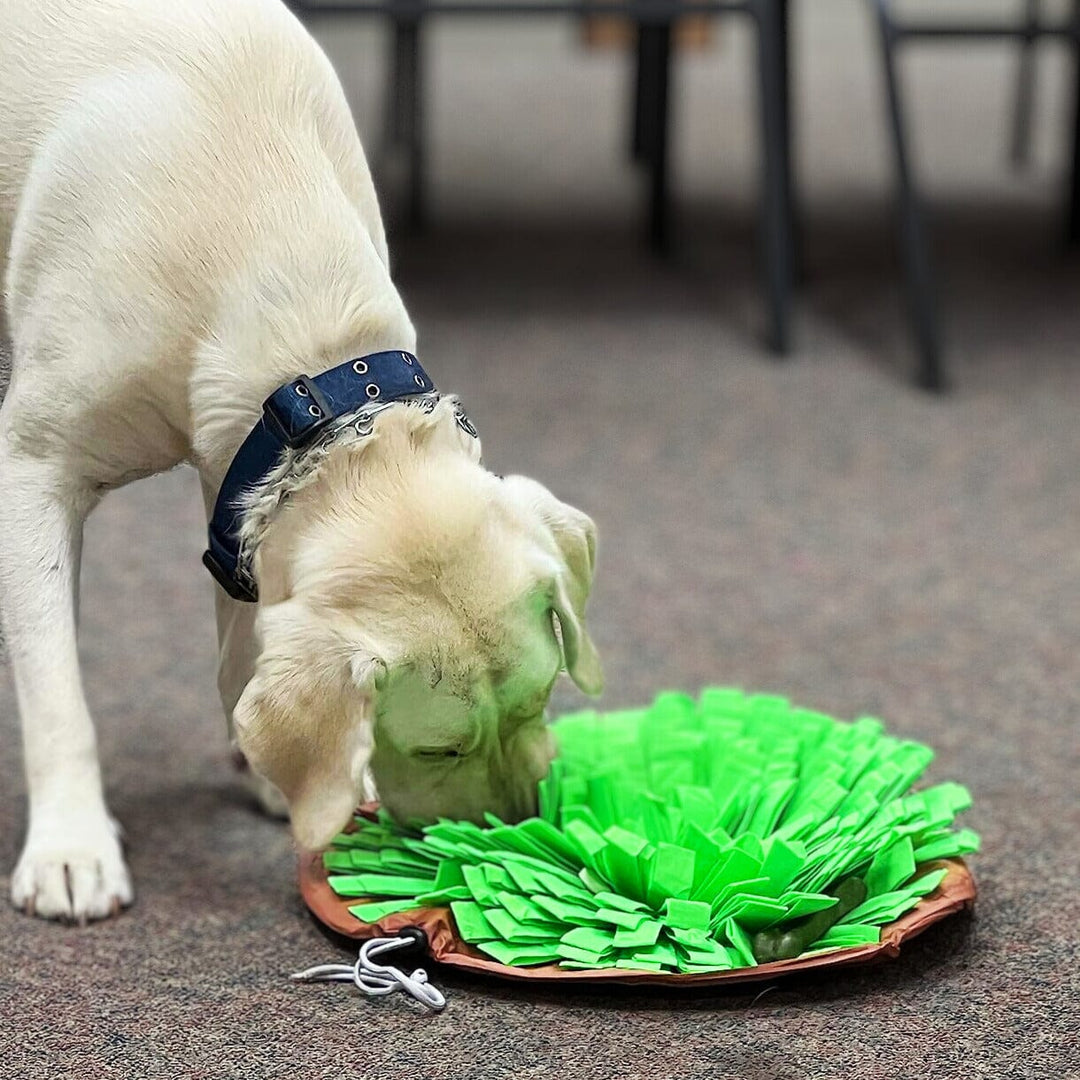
(377, 980)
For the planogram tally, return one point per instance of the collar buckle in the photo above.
(297, 411)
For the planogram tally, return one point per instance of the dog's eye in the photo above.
(442, 753)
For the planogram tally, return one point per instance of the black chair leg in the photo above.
(920, 281)
(775, 176)
(1024, 108)
(653, 131)
(787, 99)
(1072, 224)
(392, 102)
(406, 114)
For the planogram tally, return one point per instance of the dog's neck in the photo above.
(358, 489)
(277, 324)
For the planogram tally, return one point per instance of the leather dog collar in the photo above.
(293, 418)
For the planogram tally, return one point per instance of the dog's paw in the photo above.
(72, 869)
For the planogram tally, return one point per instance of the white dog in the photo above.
(187, 222)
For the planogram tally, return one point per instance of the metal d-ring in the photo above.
(465, 424)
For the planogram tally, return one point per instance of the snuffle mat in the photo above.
(728, 838)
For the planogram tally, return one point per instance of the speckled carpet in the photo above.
(815, 528)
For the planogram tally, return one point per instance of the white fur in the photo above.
(187, 221)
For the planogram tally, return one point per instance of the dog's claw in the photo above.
(30, 907)
(114, 907)
(82, 922)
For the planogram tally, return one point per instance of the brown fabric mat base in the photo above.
(955, 893)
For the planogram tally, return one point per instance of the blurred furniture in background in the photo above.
(649, 111)
(618, 32)
(894, 31)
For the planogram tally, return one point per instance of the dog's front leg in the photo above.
(71, 865)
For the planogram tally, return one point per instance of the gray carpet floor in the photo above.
(815, 528)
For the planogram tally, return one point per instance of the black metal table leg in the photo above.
(775, 180)
(920, 281)
(654, 126)
(408, 113)
(392, 102)
(787, 102)
(1072, 224)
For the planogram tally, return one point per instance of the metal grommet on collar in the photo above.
(418, 379)
(314, 410)
(373, 390)
(360, 367)
(301, 390)
(407, 358)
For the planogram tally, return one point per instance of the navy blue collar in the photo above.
(293, 417)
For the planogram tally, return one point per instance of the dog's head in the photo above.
(417, 611)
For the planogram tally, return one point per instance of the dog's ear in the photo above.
(304, 719)
(573, 536)
(579, 652)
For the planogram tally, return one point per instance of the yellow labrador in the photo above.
(188, 224)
